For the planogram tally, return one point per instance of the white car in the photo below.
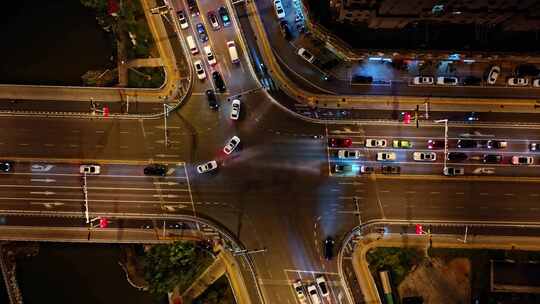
(518, 82)
(386, 156)
(348, 154)
(235, 109)
(522, 160)
(299, 290)
(90, 169)
(493, 74)
(370, 143)
(201, 74)
(447, 81)
(323, 287)
(231, 145)
(302, 52)
(210, 55)
(536, 83)
(423, 80)
(313, 294)
(184, 24)
(207, 167)
(424, 156)
(280, 12)
(453, 171)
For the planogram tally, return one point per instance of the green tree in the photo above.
(98, 5)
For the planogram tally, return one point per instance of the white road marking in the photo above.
(460, 193)
(509, 194)
(483, 193)
(100, 131)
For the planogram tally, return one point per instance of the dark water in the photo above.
(50, 42)
(76, 273)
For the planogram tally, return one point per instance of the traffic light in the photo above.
(103, 222)
(106, 111)
(419, 229)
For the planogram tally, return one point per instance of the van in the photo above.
(232, 52)
(191, 44)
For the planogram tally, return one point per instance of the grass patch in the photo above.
(218, 293)
(146, 77)
(399, 261)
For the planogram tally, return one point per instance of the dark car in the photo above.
(471, 80)
(329, 248)
(492, 158)
(339, 142)
(224, 14)
(457, 156)
(218, 81)
(435, 144)
(362, 79)
(5, 166)
(212, 100)
(524, 70)
(496, 144)
(193, 8)
(390, 169)
(285, 31)
(202, 32)
(467, 143)
(155, 170)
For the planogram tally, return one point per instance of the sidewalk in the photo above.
(366, 281)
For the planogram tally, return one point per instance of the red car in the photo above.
(339, 142)
(435, 144)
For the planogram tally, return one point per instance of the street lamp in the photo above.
(166, 109)
(445, 139)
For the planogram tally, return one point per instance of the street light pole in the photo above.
(445, 139)
(166, 109)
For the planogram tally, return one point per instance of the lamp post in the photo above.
(166, 110)
(445, 139)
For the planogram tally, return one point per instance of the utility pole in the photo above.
(246, 251)
(445, 139)
(355, 200)
(464, 240)
(166, 110)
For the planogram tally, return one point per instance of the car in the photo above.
(390, 170)
(285, 30)
(214, 21)
(423, 80)
(329, 248)
(6, 166)
(302, 52)
(280, 12)
(518, 82)
(225, 17)
(212, 100)
(193, 8)
(313, 294)
(496, 144)
(492, 159)
(433, 144)
(473, 116)
(339, 142)
(467, 143)
(533, 146)
(201, 31)
(218, 82)
(447, 80)
(366, 169)
(536, 83)
(386, 156)
(342, 168)
(401, 143)
(484, 171)
(210, 55)
(453, 171)
(155, 170)
(90, 169)
(456, 156)
(471, 80)
(235, 109)
(522, 160)
(361, 79)
(299, 290)
(231, 145)
(323, 287)
(527, 69)
(424, 156)
(199, 70)
(493, 74)
(184, 24)
(370, 142)
(207, 167)
(348, 154)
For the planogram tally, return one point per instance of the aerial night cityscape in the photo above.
(270, 152)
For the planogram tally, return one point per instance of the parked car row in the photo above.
(315, 291)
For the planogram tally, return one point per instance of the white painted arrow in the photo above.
(47, 205)
(173, 208)
(161, 141)
(167, 155)
(166, 195)
(45, 180)
(43, 192)
(42, 168)
(165, 183)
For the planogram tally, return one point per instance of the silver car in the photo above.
(231, 145)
